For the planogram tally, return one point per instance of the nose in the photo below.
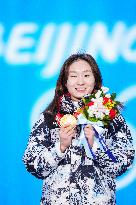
(80, 80)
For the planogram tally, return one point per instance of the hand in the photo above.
(66, 134)
(89, 133)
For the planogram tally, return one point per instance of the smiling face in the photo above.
(80, 80)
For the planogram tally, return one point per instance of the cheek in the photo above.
(70, 83)
(90, 86)
(90, 83)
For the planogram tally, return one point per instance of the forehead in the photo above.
(80, 66)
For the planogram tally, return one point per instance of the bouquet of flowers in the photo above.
(99, 109)
(100, 106)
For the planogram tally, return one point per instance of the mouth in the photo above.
(81, 90)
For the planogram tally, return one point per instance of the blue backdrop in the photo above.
(35, 38)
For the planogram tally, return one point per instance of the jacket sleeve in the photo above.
(121, 147)
(41, 156)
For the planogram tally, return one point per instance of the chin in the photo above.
(80, 96)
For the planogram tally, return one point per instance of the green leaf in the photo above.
(85, 112)
(83, 100)
(113, 96)
(92, 119)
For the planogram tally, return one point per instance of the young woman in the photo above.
(53, 154)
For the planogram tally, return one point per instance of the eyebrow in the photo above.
(83, 71)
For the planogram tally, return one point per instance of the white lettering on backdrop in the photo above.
(28, 43)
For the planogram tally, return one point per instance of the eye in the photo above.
(73, 76)
(87, 75)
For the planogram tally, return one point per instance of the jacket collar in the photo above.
(66, 105)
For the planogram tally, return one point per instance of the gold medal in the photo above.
(68, 119)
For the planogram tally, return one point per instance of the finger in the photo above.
(89, 136)
(71, 132)
(66, 128)
(65, 134)
(70, 128)
(88, 131)
(66, 125)
(88, 126)
(62, 131)
(72, 135)
(62, 128)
